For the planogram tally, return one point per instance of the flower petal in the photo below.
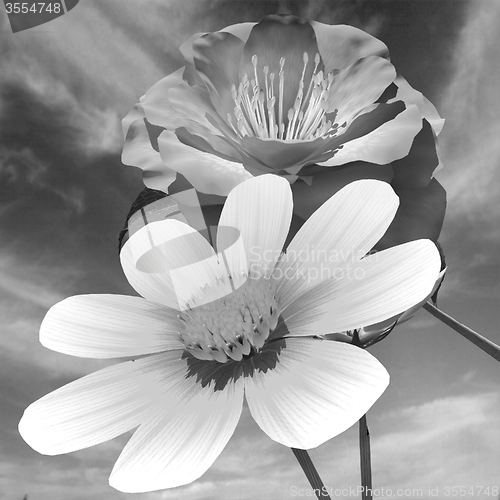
(171, 103)
(349, 44)
(135, 114)
(415, 170)
(177, 443)
(274, 38)
(371, 334)
(155, 102)
(217, 145)
(369, 291)
(241, 30)
(95, 408)
(280, 155)
(261, 209)
(359, 86)
(325, 183)
(409, 95)
(138, 152)
(217, 59)
(362, 212)
(186, 48)
(206, 172)
(385, 143)
(420, 215)
(408, 314)
(317, 390)
(169, 262)
(109, 326)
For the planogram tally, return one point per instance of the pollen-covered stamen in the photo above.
(258, 116)
(234, 326)
(281, 93)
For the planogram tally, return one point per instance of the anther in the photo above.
(259, 112)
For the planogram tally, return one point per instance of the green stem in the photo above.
(483, 343)
(311, 473)
(365, 459)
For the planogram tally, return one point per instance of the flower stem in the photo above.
(311, 473)
(365, 459)
(483, 343)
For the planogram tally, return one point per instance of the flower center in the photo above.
(234, 326)
(262, 114)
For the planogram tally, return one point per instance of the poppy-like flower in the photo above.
(213, 328)
(320, 105)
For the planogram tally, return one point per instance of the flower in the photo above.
(215, 327)
(320, 105)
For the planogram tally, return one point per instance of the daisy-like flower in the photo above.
(212, 328)
(297, 98)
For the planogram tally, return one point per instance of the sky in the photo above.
(64, 196)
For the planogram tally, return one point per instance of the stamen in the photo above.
(262, 114)
(281, 93)
(232, 327)
(266, 72)
(290, 118)
(230, 121)
(256, 115)
(316, 64)
(295, 110)
(254, 62)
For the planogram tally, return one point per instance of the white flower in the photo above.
(214, 327)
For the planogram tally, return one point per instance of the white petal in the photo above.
(341, 45)
(342, 230)
(138, 152)
(95, 408)
(155, 102)
(409, 95)
(317, 390)
(208, 173)
(241, 30)
(389, 142)
(168, 261)
(181, 440)
(109, 326)
(359, 86)
(186, 48)
(135, 114)
(378, 287)
(261, 209)
(410, 312)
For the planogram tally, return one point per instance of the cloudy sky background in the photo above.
(64, 195)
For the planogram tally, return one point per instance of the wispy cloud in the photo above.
(470, 103)
(471, 154)
(448, 441)
(34, 283)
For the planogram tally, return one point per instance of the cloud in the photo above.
(27, 291)
(23, 167)
(448, 441)
(34, 283)
(444, 442)
(470, 138)
(471, 154)
(468, 376)
(104, 56)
